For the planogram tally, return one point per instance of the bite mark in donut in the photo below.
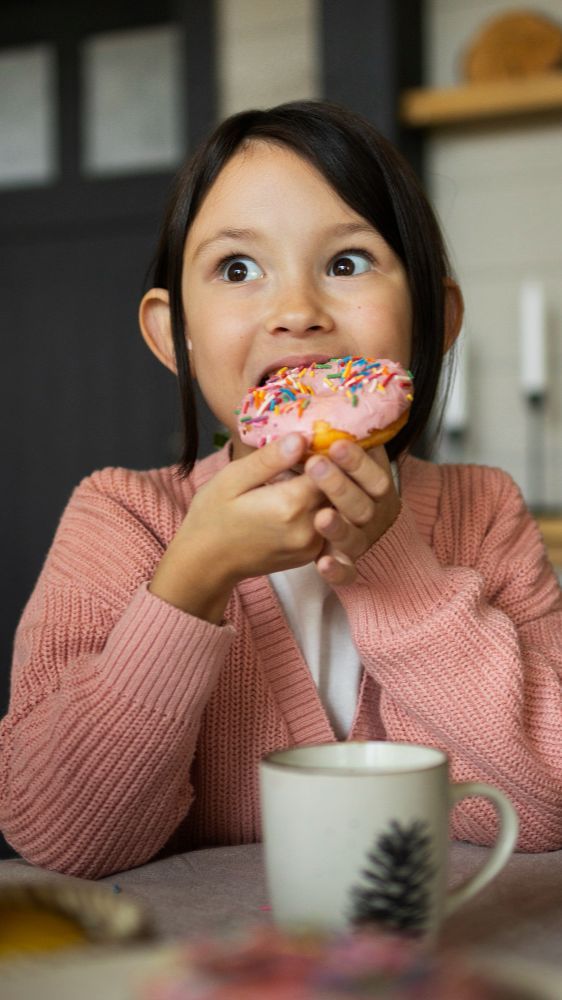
(353, 398)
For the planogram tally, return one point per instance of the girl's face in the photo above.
(278, 270)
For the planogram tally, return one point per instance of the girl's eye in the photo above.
(239, 269)
(351, 262)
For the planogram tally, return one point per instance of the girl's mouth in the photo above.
(292, 361)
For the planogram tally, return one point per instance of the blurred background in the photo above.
(97, 110)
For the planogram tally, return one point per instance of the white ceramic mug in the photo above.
(358, 833)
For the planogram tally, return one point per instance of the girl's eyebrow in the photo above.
(222, 236)
(341, 229)
(353, 229)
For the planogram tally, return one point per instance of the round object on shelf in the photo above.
(521, 43)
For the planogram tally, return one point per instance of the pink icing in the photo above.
(356, 395)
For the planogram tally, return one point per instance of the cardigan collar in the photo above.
(289, 678)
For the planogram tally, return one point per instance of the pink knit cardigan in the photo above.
(135, 727)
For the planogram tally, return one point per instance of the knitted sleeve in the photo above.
(464, 639)
(109, 684)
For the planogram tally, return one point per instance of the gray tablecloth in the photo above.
(519, 913)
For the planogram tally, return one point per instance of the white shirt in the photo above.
(320, 627)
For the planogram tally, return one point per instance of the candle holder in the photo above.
(455, 414)
(534, 385)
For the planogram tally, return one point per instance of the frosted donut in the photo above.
(358, 399)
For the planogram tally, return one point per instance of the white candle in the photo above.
(455, 415)
(533, 339)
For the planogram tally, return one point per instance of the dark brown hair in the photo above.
(371, 176)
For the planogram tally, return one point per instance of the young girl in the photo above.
(186, 625)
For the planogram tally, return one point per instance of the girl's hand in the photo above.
(247, 521)
(361, 489)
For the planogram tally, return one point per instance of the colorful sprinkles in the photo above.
(290, 389)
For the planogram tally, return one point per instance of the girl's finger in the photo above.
(264, 464)
(350, 498)
(336, 569)
(342, 535)
(371, 470)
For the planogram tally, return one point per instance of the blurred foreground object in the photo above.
(364, 965)
(518, 44)
(49, 916)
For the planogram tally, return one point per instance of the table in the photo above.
(518, 915)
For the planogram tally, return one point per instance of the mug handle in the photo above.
(500, 852)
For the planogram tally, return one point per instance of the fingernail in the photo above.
(339, 449)
(318, 468)
(342, 559)
(291, 444)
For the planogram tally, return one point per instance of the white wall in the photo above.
(497, 189)
(268, 53)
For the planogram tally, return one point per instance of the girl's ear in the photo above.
(156, 326)
(454, 312)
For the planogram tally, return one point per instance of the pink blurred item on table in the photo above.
(266, 963)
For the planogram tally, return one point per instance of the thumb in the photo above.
(265, 463)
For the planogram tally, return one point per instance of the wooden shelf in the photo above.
(551, 530)
(430, 108)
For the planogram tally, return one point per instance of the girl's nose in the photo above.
(299, 310)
